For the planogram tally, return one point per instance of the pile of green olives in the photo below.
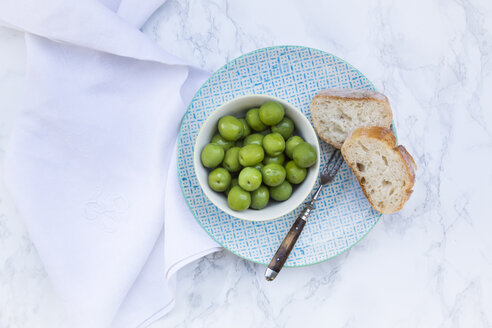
(256, 158)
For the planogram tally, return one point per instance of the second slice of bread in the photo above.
(338, 112)
(386, 172)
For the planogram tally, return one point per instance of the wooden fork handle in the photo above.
(288, 244)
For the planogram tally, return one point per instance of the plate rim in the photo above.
(179, 143)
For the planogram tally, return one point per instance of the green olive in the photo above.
(258, 166)
(234, 182)
(260, 198)
(255, 138)
(279, 159)
(250, 179)
(271, 113)
(281, 192)
(212, 155)
(273, 174)
(304, 155)
(246, 128)
(292, 143)
(251, 155)
(219, 140)
(219, 179)
(253, 119)
(285, 127)
(295, 174)
(238, 199)
(274, 144)
(230, 128)
(231, 160)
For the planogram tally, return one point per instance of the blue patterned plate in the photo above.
(342, 217)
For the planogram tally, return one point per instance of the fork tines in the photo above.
(332, 166)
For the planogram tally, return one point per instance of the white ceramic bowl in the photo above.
(238, 107)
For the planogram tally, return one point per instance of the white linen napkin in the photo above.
(91, 163)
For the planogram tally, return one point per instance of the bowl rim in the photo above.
(288, 209)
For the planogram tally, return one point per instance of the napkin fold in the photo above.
(91, 162)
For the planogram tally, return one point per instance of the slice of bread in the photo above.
(338, 112)
(386, 172)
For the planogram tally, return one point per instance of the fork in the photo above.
(327, 175)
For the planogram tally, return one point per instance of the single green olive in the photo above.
(212, 155)
(294, 173)
(271, 113)
(273, 174)
(254, 139)
(285, 127)
(238, 199)
(230, 128)
(251, 155)
(304, 155)
(250, 179)
(281, 192)
(274, 144)
(231, 160)
(260, 198)
(219, 179)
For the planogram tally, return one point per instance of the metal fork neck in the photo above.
(317, 193)
(310, 205)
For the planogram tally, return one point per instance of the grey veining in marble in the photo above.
(429, 265)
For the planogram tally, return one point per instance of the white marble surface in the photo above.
(430, 265)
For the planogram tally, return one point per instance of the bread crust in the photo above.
(376, 132)
(387, 136)
(353, 94)
(349, 94)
